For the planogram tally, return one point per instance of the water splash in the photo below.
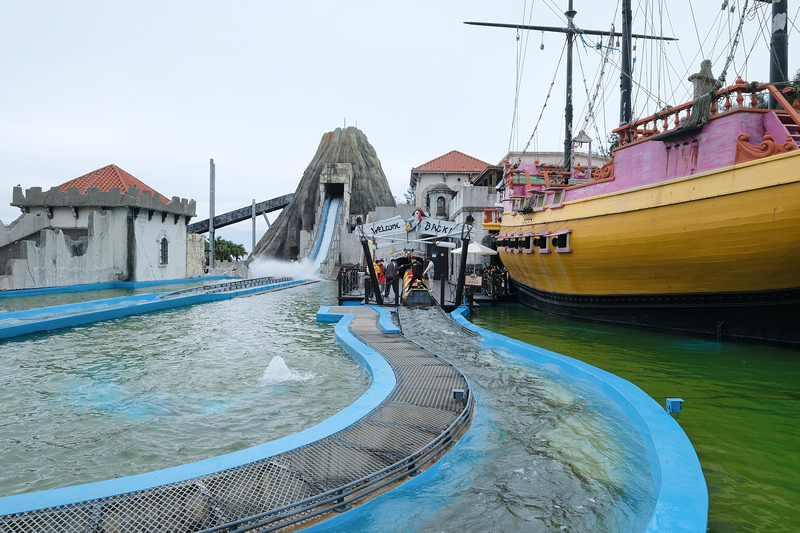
(278, 372)
(304, 268)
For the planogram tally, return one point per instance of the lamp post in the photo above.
(466, 229)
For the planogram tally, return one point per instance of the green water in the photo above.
(741, 410)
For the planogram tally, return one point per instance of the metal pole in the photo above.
(376, 288)
(254, 227)
(211, 220)
(466, 229)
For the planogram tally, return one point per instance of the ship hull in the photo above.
(768, 317)
(717, 253)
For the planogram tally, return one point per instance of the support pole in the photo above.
(211, 220)
(465, 231)
(376, 288)
(254, 227)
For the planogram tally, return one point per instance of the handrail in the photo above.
(669, 119)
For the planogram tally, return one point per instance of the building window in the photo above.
(163, 256)
(440, 207)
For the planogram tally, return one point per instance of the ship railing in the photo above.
(491, 215)
(739, 96)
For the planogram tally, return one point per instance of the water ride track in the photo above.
(407, 419)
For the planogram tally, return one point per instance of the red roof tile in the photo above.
(453, 161)
(107, 177)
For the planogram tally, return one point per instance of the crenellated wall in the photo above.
(70, 238)
(36, 198)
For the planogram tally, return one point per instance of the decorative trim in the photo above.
(748, 152)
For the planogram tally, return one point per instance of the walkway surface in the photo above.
(428, 409)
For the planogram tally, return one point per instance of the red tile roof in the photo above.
(453, 161)
(107, 177)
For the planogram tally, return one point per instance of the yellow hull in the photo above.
(729, 230)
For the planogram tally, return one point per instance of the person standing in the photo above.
(416, 271)
(429, 273)
(390, 274)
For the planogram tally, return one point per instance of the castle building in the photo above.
(104, 226)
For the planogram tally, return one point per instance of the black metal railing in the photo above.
(228, 286)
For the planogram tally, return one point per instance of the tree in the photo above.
(410, 196)
(613, 142)
(225, 250)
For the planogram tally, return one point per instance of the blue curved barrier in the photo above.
(681, 495)
(16, 323)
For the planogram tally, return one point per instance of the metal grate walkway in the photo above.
(416, 423)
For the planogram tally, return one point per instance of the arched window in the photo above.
(163, 256)
(440, 207)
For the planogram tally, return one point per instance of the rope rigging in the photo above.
(659, 83)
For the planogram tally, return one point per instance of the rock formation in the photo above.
(370, 189)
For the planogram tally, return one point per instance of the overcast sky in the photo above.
(160, 87)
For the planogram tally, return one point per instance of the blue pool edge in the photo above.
(681, 494)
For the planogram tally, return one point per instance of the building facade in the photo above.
(102, 227)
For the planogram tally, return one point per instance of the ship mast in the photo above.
(778, 47)
(571, 31)
(625, 85)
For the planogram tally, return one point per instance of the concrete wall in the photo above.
(22, 227)
(59, 261)
(195, 253)
(117, 247)
(146, 247)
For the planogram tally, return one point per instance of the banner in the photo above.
(426, 226)
(382, 228)
(440, 228)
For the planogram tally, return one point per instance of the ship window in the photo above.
(540, 201)
(558, 198)
(541, 243)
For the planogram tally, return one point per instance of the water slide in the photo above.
(326, 232)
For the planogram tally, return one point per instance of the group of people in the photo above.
(390, 274)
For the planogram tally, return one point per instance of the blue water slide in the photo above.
(328, 227)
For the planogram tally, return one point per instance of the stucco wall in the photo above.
(58, 260)
(195, 252)
(148, 233)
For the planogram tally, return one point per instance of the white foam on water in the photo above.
(302, 269)
(278, 372)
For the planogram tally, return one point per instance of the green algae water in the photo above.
(741, 410)
(151, 391)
